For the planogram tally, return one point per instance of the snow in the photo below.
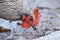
(52, 36)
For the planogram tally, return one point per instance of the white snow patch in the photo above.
(52, 36)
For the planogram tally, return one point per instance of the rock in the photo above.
(11, 9)
(3, 30)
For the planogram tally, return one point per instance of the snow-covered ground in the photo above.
(52, 36)
(49, 20)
